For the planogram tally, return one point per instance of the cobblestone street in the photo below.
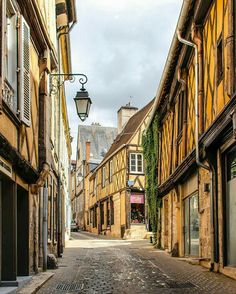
(98, 265)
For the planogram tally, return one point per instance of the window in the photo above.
(110, 171)
(95, 186)
(219, 60)
(108, 213)
(16, 90)
(180, 112)
(136, 163)
(102, 213)
(103, 176)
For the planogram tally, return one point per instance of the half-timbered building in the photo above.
(117, 186)
(28, 164)
(195, 105)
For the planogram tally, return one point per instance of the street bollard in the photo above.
(150, 239)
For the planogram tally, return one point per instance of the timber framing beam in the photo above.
(19, 164)
(214, 136)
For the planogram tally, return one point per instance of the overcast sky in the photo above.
(121, 45)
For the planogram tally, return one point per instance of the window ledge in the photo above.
(13, 117)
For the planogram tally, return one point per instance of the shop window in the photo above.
(137, 209)
(191, 226)
(136, 163)
(219, 60)
(230, 216)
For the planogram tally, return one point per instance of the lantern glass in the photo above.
(83, 104)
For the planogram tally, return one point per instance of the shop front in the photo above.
(137, 208)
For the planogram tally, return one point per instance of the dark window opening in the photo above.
(108, 214)
(219, 61)
(181, 112)
(102, 213)
(112, 212)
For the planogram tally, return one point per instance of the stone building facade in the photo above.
(196, 104)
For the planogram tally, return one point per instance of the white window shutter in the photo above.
(24, 64)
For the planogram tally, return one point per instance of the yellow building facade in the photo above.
(28, 174)
(116, 199)
(195, 104)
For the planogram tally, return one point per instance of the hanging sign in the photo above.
(137, 198)
(5, 167)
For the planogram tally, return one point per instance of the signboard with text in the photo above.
(137, 198)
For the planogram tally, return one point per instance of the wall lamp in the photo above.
(82, 99)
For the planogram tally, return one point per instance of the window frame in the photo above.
(103, 176)
(110, 171)
(136, 163)
(219, 57)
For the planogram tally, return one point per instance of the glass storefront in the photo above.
(137, 209)
(231, 208)
(191, 226)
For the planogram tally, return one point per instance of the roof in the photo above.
(130, 128)
(100, 138)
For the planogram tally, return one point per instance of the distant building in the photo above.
(92, 145)
(116, 200)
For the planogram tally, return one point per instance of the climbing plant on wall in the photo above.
(150, 152)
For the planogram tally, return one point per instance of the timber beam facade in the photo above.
(196, 161)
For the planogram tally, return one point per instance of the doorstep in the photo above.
(36, 283)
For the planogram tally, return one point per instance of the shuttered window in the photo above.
(24, 63)
(16, 74)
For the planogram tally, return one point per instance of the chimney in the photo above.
(124, 114)
(87, 151)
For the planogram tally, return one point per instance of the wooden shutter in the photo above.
(24, 64)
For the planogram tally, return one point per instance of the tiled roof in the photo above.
(100, 138)
(129, 129)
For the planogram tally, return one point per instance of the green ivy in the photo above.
(150, 152)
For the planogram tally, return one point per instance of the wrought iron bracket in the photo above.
(55, 81)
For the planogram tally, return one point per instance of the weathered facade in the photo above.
(117, 186)
(28, 176)
(195, 104)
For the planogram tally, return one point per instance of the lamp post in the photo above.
(82, 100)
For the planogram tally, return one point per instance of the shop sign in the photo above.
(137, 198)
(5, 167)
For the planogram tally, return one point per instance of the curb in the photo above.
(36, 283)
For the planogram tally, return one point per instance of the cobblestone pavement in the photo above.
(93, 265)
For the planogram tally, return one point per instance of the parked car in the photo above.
(74, 227)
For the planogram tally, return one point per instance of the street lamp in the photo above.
(82, 99)
(83, 104)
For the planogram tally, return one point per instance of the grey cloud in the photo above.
(122, 47)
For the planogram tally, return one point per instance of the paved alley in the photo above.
(97, 265)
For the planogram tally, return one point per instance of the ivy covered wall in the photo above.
(150, 152)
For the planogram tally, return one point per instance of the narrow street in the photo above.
(94, 264)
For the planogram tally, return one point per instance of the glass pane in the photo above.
(231, 208)
(186, 226)
(132, 156)
(194, 226)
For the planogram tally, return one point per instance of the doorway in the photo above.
(191, 226)
(22, 232)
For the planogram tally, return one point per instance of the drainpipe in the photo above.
(198, 162)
